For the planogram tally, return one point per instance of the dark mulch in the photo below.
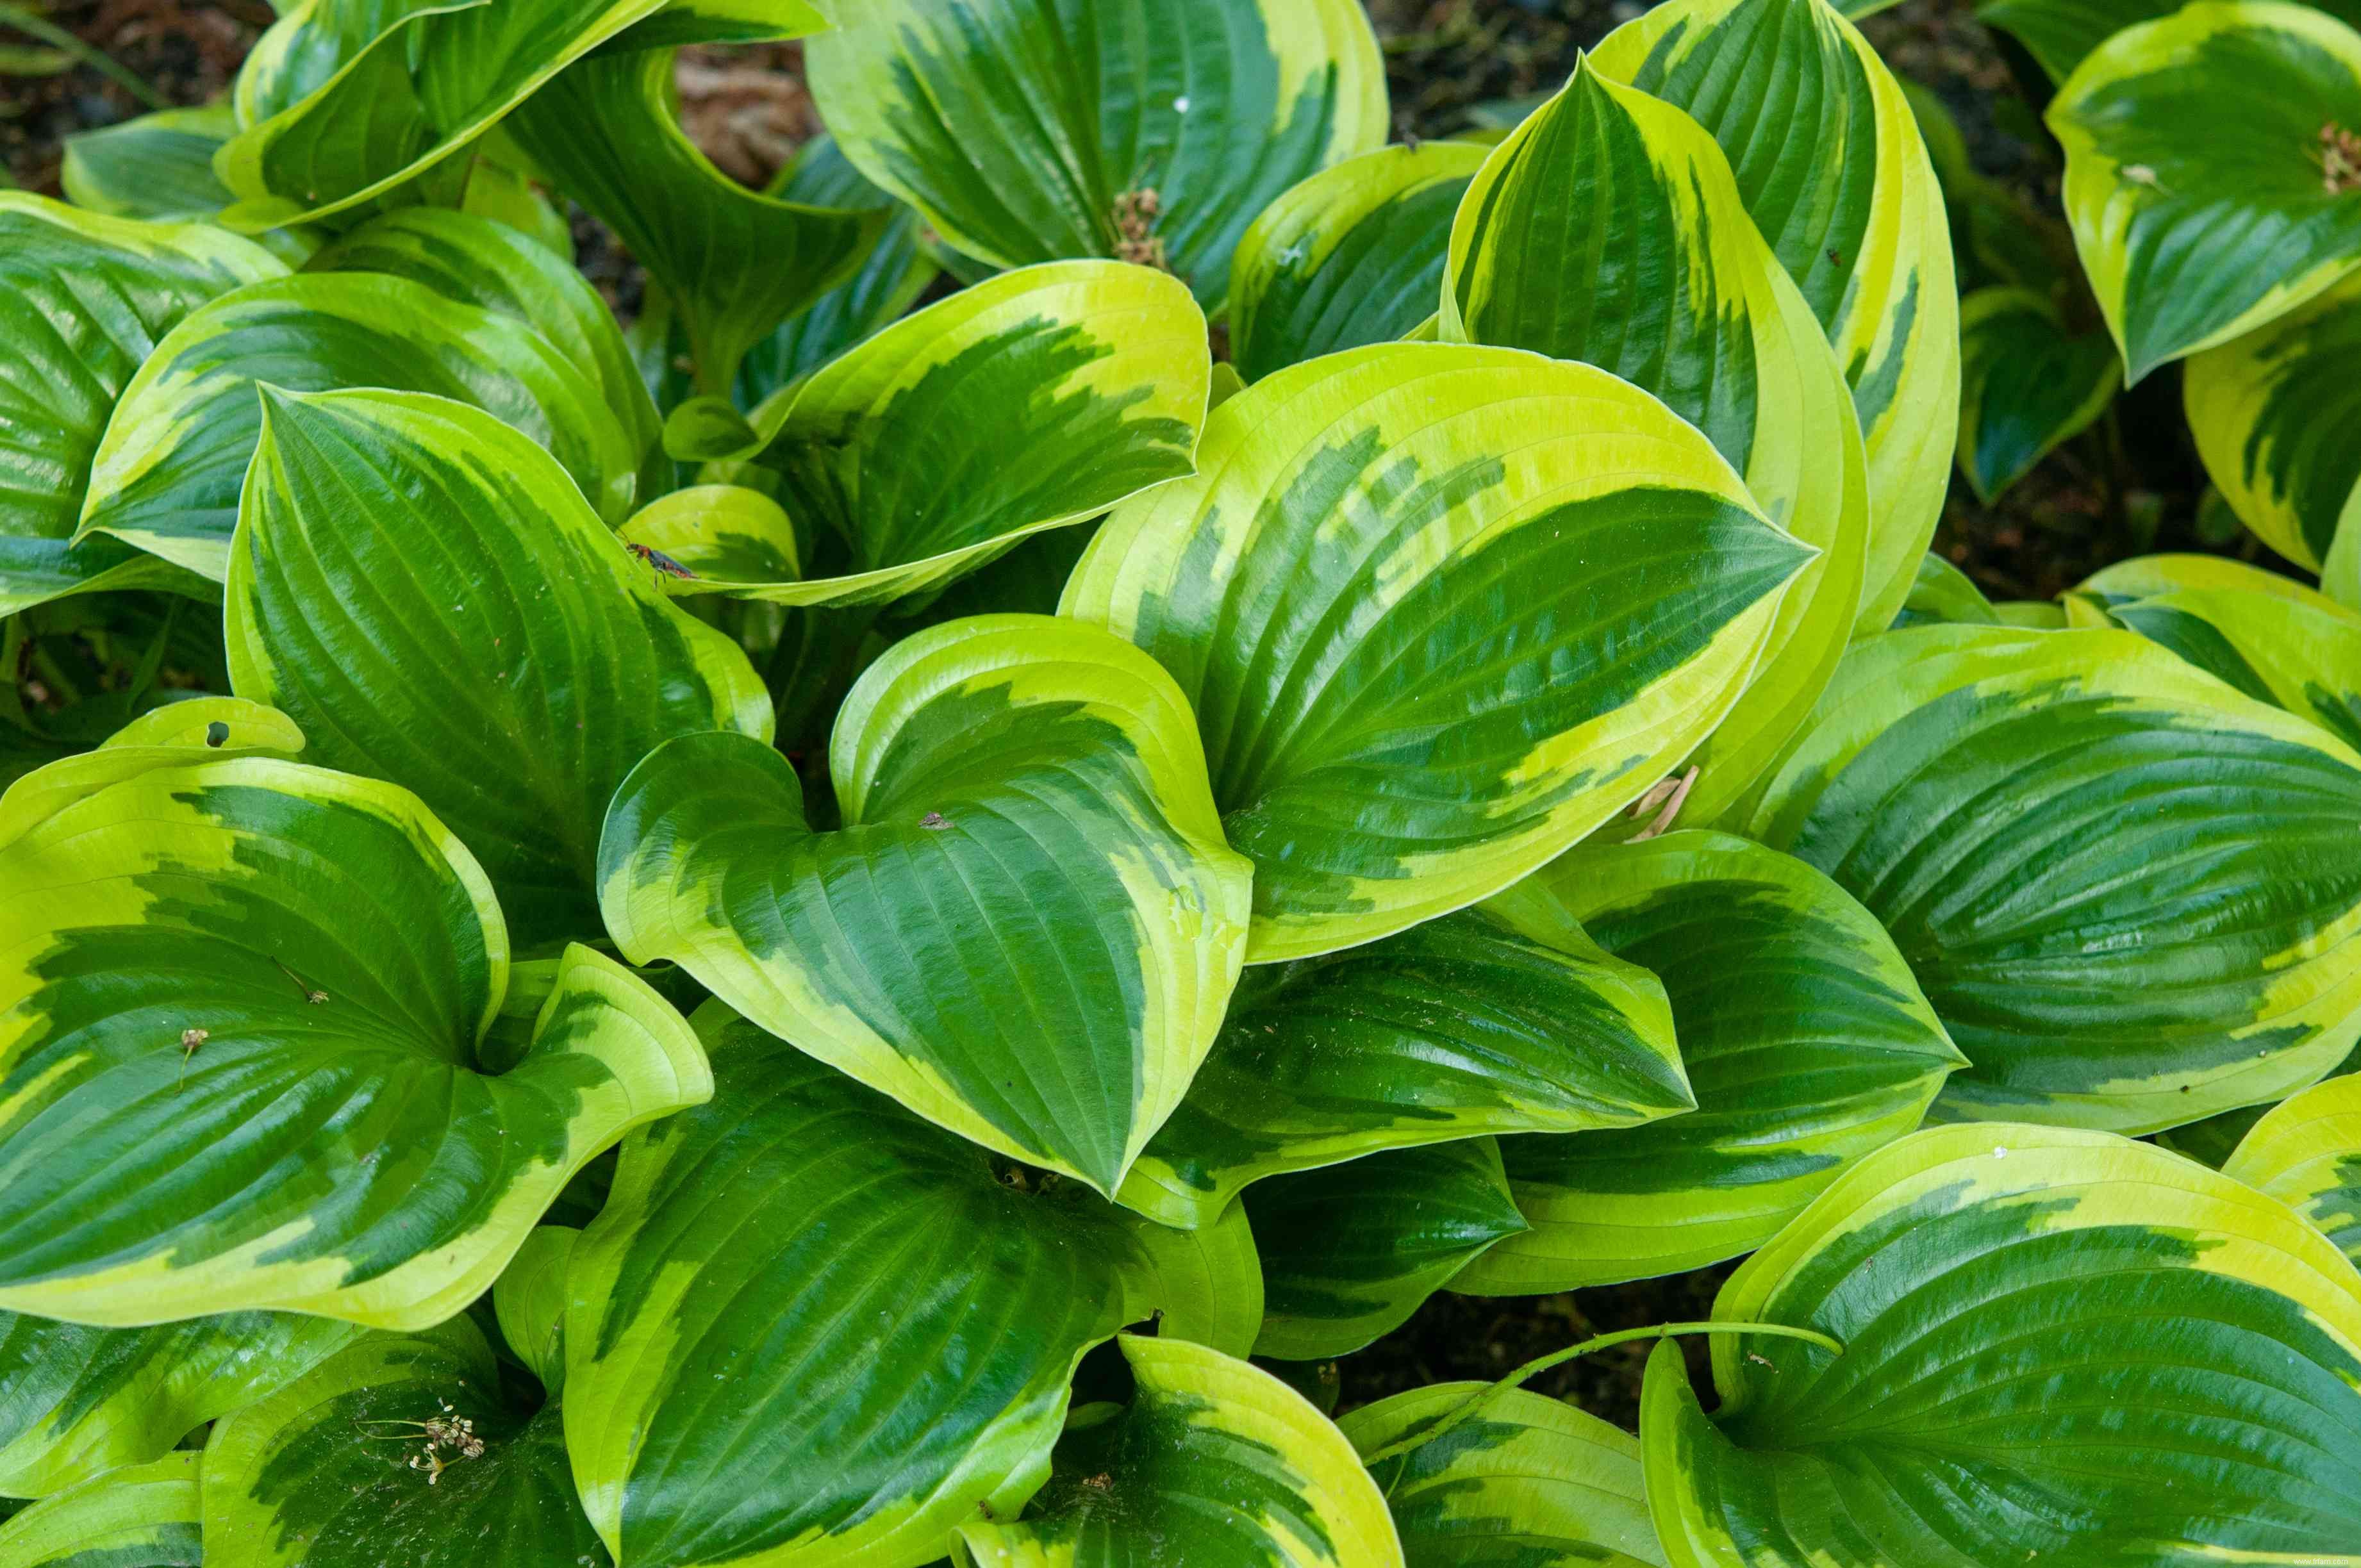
(2133, 485)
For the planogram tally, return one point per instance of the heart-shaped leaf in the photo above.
(896, 271)
(1214, 1460)
(2306, 1152)
(923, 1306)
(1350, 1250)
(1351, 256)
(501, 268)
(237, 1051)
(346, 102)
(76, 1402)
(2196, 227)
(424, 590)
(712, 539)
(1807, 1043)
(2130, 893)
(2056, 1342)
(1465, 1024)
(167, 477)
(1026, 929)
(1660, 276)
(1828, 160)
(895, 458)
(145, 1516)
(1442, 611)
(1531, 1483)
(2029, 385)
(2270, 637)
(364, 1461)
(733, 262)
(84, 301)
(1026, 133)
(2270, 412)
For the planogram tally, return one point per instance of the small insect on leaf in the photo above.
(935, 821)
(659, 561)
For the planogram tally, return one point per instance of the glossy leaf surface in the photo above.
(143, 1517)
(2056, 1341)
(84, 299)
(2306, 1152)
(2270, 412)
(76, 1402)
(1465, 1024)
(1608, 228)
(1441, 610)
(895, 460)
(1351, 256)
(1531, 1483)
(167, 479)
(2130, 893)
(1214, 1460)
(424, 591)
(1027, 132)
(1807, 1042)
(1829, 162)
(921, 1312)
(1351, 1250)
(238, 1050)
(733, 262)
(1026, 929)
(2196, 227)
(337, 1470)
(2029, 385)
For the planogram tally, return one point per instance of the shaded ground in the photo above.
(2131, 485)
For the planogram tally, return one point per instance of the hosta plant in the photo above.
(862, 922)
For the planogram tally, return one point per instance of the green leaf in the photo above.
(2030, 385)
(2056, 1342)
(1807, 1043)
(1035, 399)
(2062, 33)
(144, 1516)
(727, 538)
(2306, 1152)
(2196, 227)
(1463, 1025)
(77, 1401)
(167, 477)
(722, 22)
(1829, 162)
(1556, 589)
(157, 166)
(1352, 256)
(2271, 410)
(1026, 133)
(1531, 1483)
(1351, 1250)
(531, 1300)
(237, 1050)
(895, 1310)
(424, 591)
(84, 301)
(733, 262)
(890, 277)
(334, 1471)
(1943, 593)
(497, 267)
(1214, 1460)
(1026, 929)
(1661, 278)
(2273, 639)
(354, 98)
(2130, 893)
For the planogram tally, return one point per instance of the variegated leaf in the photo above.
(2029, 385)
(145, 1516)
(1441, 611)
